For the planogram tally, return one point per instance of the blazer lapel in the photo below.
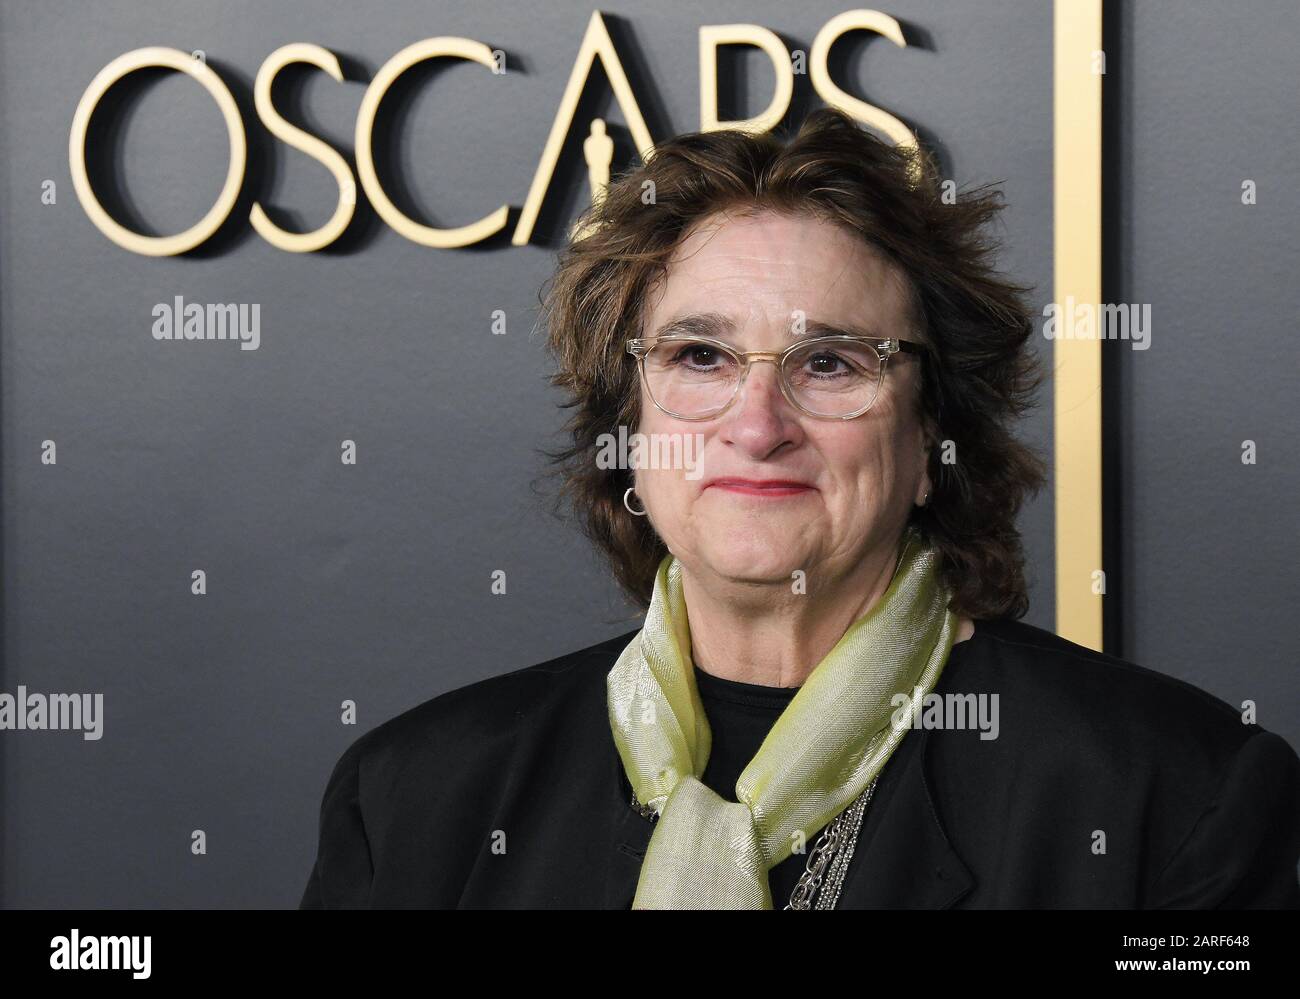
(903, 858)
(631, 837)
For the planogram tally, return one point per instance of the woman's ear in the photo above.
(923, 489)
(929, 443)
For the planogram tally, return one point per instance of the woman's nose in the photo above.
(762, 385)
(760, 417)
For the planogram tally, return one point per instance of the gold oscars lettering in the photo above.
(598, 147)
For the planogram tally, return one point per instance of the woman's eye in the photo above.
(827, 364)
(698, 356)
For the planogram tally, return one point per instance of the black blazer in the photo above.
(1108, 786)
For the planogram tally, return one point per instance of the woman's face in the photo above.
(859, 477)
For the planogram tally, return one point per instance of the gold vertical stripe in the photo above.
(1077, 78)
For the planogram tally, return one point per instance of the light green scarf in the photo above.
(829, 743)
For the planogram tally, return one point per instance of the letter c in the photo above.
(429, 48)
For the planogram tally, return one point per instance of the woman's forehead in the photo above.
(764, 235)
(778, 268)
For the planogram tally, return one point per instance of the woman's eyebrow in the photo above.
(709, 324)
(719, 327)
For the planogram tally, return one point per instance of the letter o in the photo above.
(129, 62)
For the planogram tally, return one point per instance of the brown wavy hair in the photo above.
(979, 376)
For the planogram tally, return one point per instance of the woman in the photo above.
(831, 702)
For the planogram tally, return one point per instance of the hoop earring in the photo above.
(635, 513)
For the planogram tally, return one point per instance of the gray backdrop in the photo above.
(371, 582)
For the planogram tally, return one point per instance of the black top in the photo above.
(1107, 786)
(740, 716)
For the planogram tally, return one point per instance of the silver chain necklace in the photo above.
(828, 861)
(830, 856)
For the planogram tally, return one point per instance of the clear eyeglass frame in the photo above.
(640, 347)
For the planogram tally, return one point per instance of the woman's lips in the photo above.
(761, 487)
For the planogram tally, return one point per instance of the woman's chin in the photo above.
(748, 559)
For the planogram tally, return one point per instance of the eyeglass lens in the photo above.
(695, 379)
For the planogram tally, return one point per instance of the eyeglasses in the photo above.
(829, 377)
